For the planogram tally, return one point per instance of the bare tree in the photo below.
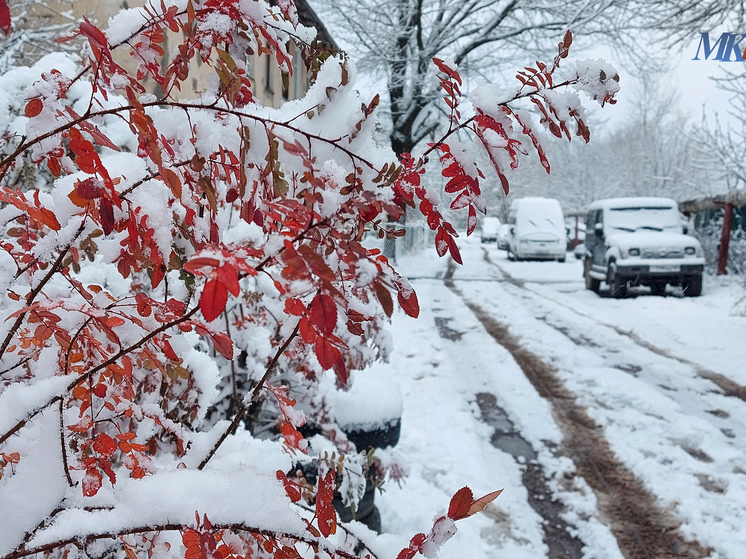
(36, 25)
(398, 39)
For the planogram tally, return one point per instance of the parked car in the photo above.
(490, 226)
(537, 230)
(503, 234)
(640, 241)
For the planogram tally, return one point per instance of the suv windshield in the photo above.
(647, 218)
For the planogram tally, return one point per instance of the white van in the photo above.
(537, 230)
(490, 226)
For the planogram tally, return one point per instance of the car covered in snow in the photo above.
(503, 235)
(640, 241)
(490, 226)
(537, 230)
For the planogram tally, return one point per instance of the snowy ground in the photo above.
(616, 427)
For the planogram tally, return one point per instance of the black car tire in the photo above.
(590, 282)
(658, 288)
(378, 436)
(617, 287)
(692, 286)
(562, 260)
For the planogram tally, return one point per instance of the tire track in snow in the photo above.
(557, 531)
(728, 386)
(642, 528)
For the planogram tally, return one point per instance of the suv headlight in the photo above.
(627, 252)
(690, 251)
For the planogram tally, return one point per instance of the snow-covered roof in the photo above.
(633, 202)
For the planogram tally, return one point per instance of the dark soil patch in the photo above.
(643, 529)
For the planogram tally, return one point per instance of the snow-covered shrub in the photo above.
(709, 230)
(181, 266)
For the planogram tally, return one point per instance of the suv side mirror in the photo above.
(685, 229)
(599, 229)
(512, 230)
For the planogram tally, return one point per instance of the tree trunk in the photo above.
(725, 240)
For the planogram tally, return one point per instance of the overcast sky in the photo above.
(690, 78)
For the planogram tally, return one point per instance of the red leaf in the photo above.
(482, 502)
(228, 276)
(173, 182)
(106, 213)
(408, 301)
(104, 444)
(327, 516)
(460, 503)
(100, 390)
(195, 264)
(92, 480)
(53, 163)
(4, 17)
(324, 313)
(223, 344)
(384, 297)
(168, 350)
(292, 436)
(34, 106)
(193, 543)
(326, 353)
(95, 36)
(292, 489)
(88, 189)
(295, 307)
(213, 300)
(307, 331)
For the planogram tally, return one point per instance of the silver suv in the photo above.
(640, 241)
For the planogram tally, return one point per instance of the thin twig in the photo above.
(172, 527)
(63, 445)
(31, 296)
(252, 402)
(85, 376)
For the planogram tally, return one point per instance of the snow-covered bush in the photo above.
(709, 231)
(181, 266)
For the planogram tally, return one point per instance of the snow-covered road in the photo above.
(616, 427)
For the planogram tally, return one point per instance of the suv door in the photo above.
(599, 241)
(590, 233)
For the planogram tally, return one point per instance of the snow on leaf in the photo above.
(325, 513)
(92, 482)
(223, 344)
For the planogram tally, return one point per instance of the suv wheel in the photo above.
(692, 286)
(658, 288)
(617, 287)
(590, 283)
